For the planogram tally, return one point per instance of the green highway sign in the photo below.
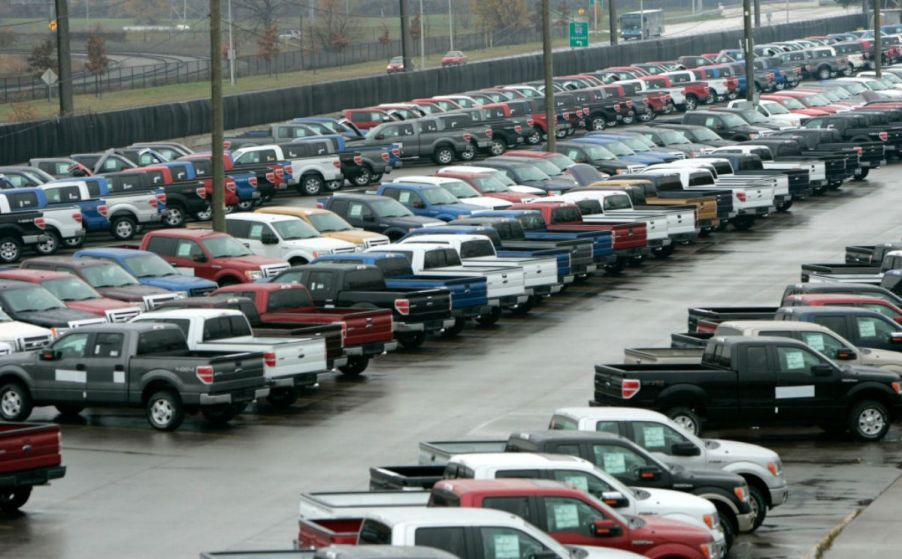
(579, 34)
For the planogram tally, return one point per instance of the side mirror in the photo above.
(380, 136)
(614, 499)
(606, 529)
(845, 354)
(199, 258)
(269, 239)
(685, 449)
(48, 355)
(822, 370)
(649, 473)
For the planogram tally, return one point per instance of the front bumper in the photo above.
(746, 522)
(778, 495)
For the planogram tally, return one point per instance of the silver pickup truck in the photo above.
(132, 202)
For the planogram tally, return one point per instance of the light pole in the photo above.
(641, 20)
(231, 49)
(878, 48)
(550, 113)
(749, 54)
(216, 147)
(422, 39)
(450, 27)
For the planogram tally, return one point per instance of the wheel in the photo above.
(311, 185)
(228, 280)
(459, 325)
(204, 215)
(15, 402)
(629, 117)
(165, 411)
(283, 398)
(779, 86)
(10, 250)
(12, 500)
(411, 340)
(51, 245)
(356, 365)
(468, 154)
(669, 108)
(245, 205)
(175, 216)
(861, 173)
(523, 308)
(497, 147)
(334, 186)
(616, 267)
(727, 527)
(74, 242)
(70, 410)
(743, 222)
(221, 414)
(686, 418)
(823, 73)
(868, 421)
(759, 506)
(560, 133)
(597, 122)
(535, 138)
(490, 318)
(443, 155)
(646, 116)
(784, 207)
(377, 177)
(123, 227)
(664, 252)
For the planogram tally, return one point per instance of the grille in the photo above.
(376, 242)
(271, 270)
(122, 315)
(34, 342)
(345, 250)
(201, 291)
(153, 301)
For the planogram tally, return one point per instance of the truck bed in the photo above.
(688, 340)
(662, 355)
(653, 378)
(405, 478)
(440, 452)
(362, 326)
(317, 533)
(716, 315)
(354, 504)
(839, 269)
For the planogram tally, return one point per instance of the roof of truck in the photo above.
(830, 309)
(69, 261)
(607, 412)
(261, 217)
(517, 459)
(194, 312)
(121, 252)
(774, 325)
(838, 298)
(502, 486)
(446, 516)
(539, 437)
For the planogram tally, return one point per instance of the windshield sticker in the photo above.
(867, 328)
(794, 360)
(816, 341)
(566, 516)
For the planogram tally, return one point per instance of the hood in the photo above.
(880, 358)
(179, 282)
(414, 221)
(557, 185)
(98, 307)
(252, 262)
(528, 190)
(483, 202)
(459, 208)
(591, 552)
(323, 245)
(356, 236)
(708, 477)
(131, 293)
(724, 452)
(15, 330)
(56, 318)
(657, 529)
(865, 373)
(718, 143)
(513, 197)
(658, 502)
(645, 158)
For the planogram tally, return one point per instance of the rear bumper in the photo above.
(513, 300)
(372, 349)
(292, 381)
(29, 478)
(428, 326)
(216, 399)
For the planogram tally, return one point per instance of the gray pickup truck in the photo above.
(131, 365)
(424, 138)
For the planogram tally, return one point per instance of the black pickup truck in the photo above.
(783, 382)
(19, 229)
(415, 312)
(787, 150)
(34, 304)
(379, 214)
(854, 127)
(870, 255)
(706, 319)
(829, 142)
(752, 164)
(604, 111)
(131, 365)
(854, 272)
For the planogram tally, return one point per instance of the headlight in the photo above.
(711, 521)
(619, 171)
(741, 493)
(182, 294)
(774, 469)
(753, 136)
(253, 275)
(706, 550)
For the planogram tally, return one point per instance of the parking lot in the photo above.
(133, 492)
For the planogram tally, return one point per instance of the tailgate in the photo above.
(629, 236)
(429, 305)
(374, 328)
(235, 372)
(608, 384)
(29, 447)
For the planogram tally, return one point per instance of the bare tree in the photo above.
(43, 57)
(97, 63)
(265, 13)
(332, 27)
(268, 46)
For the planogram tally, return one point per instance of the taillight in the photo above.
(336, 163)
(468, 137)
(204, 373)
(630, 388)
(152, 202)
(530, 122)
(252, 181)
(489, 133)
(358, 160)
(402, 306)
(40, 223)
(396, 152)
(385, 156)
(103, 210)
(344, 332)
(161, 198)
(566, 115)
(77, 217)
(883, 136)
(201, 192)
(518, 129)
(226, 144)
(230, 186)
(741, 196)
(269, 359)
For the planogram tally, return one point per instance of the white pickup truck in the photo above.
(289, 363)
(283, 236)
(722, 168)
(309, 174)
(61, 221)
(775, 112)
(21, 336)
(460, 190)
(817, 170)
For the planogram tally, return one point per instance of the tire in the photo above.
(51, 245)
(10, 250)
(647, 116)
(15, 402)
(123, 228)
(443, 155)
(560, 133)
(523, 308)
(497, 147)
(491, 318)
(664, 252)
(729, 530)
(334, 186)
(743, 222)
(73, 242)
(362, 179)
(311, 185)
(669, 108)
(11, 500)
(629, 117)
(175, 217)
(597, 122)
(468, 154)
(616, 267)
(459, 325)
(691, 102)
(355, 366)
(411, 340)
(221, 414)
(69, 410)
(778, 86)
(204, 215)
(686, 418)
(784, 207)
(228, 280)
(869, 421)
(823, 73)
(165, 411)
(245, 206)
(759, 506)
(376, 178)
(283, 398)
(861, 173)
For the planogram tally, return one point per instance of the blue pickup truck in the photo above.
(94, 209)
(469, 294)
(151, 270)
(427, 200)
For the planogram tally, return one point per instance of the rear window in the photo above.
(226, 327)
(560, 423)
(566, 215)
(22, 200)
(364, 279)
(476, 249)
(288, 299)
(440, 498)
(161, 341)
(392, 267)
(441, 258)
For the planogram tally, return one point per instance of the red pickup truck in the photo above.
(76, 294)
(29, 456)
(629, 240)
(211, 255)
(573, 517)
(366, 332)
(486, 183)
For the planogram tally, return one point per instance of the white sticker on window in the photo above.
(654, 437)
(867, 328)
(794, 360)
(184, 250)
(566, 516)
(256, 230)
(614, 463)
(580, 482)
(815, 341)
(356, 210)
(506, 546)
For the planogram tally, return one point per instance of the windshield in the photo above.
(752, 116)
(293, 229)
(225, 247)
(109, 275)
(816, 101)
(629, 21)
(389, 208)
(839, 92)
(397, 60)
(530, 173)
(547, 167)
(504, 179)
(489, 183)
(704, 134)
(792, 103)
(460, 189)
(775, 109)
(619, 202)
(438, 196)
(70, 289)
(733, 121)
(328, 222)
(31, 299)
(597, 153)
(148, 266)
(854, 88)
(560, 161)
(874, 85)
(635, 143)
(671, 137)
(619, 149)
(829, 95)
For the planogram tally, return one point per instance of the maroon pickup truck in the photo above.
(366, 332)
(29, 456)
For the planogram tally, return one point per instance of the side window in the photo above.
(318, 283)
(429, 126)
(570, 515)
(656, 437)
(872, 329)
(834, 323)
(255, 231)
(237, 228)
(411, 199)
(568, 449)
(508, 543)
(374, 533)
(518, 506)
(339, 206)
(108, 345)
(795, 360)
(608, 427)
(393, 193)
(517, 474)
(583, 481)
(94, 189)
(452, 540)
(358, 210)
(406, 130)
(828, 345)
(22, 200)
(268, 155)
(757, 359)
(187, 249)
(618, 461)
(573, 154)
(162, 246)
(72, 345)
(433, 259)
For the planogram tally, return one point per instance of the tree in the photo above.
(264, 13)
(146, 11)
(332, 27)
(268, 45)
(97, 63)
(415, 27)
(500, 15)
(385, 37)
(42, 57)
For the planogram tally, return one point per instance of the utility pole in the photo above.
(612, 24)
(757, 13)
(231, 49)
(450, 27)
(750, 93)
(878, 49)
(216, 148)
(422, 38)
(67, 106)
(405, 36)
(550, 113)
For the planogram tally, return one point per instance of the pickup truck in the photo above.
(33, 304)
(886, 308)
(188, 196)
(769, 184)
(686, 95)
(132, 200)
(799, 387)
(338, 552)
(360, 164)
(882, 291)
(678, 186)
(284, 237)
(18, 229)
(727, 126)
(60, 221)
(863, 327)
(527, 172)
(276, 133)
(803, 176)
(196, 204)
(378, 214)
(288, 363)
(854, 128)
(426, 200)
(469, 293)
(761, 468)
(214, 256)
(130, 365)
(254, 183)
(422, 138)
(844, 272)
(330, 225)
(458, 188)
(415, 312)
(870, 254)
(94, 210)
(151, 270)
(366, 333)
(106, 277)
(31, 457)
(310, 171)
(829, 142)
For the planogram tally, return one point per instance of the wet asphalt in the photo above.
(131, 492)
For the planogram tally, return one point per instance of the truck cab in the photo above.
(426, 200)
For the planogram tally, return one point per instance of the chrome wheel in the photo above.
(871, 421)
(206, 214)
(162, 412)
(686, 422)
(11, 403)
(175, 217)
(124, 229)
(9, 251)
(246, 205)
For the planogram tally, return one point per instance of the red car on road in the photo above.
(454, 58)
